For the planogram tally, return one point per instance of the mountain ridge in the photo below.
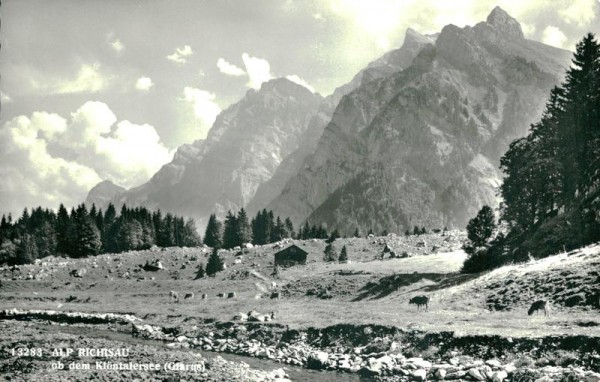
(460, 102)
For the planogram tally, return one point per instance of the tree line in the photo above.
(81, 233)
(551, 190)
(264, 228)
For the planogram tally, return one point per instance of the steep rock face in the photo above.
(243, 149)
(421, 146)
(391, 62)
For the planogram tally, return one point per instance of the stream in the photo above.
(295, 373)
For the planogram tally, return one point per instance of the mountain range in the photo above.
(415, 138)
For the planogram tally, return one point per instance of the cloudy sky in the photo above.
(94, 90)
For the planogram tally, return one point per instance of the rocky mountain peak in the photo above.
(102, 194)
(285, 86)
(414, 37)
(505, 23)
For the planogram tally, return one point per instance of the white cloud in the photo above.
(300, 81)
(117, 46)
(204, 106)
(554, 36)
(89, 79)
(47, 159)
(258, 70)
(580, 12)
(31, 175)
(229, 69)
(181, 54)
(144, 83)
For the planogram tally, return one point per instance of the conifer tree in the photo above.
(64, 243)
(214, 264)
(230, 236)
(334, 236)
(343, 255)
(243, 230)
(330, 253)
(289, 227)
(212, 235)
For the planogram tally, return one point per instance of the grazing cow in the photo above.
(420, 301)
(231, 295)
(539, 305)
(275, 295)
(221, 295)
(174, 296)
(135, 330)
(188, 295)
(204, 296)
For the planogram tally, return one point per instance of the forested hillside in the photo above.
(80, 233)
(551, 191)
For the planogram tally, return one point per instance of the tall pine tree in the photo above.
(212, 235)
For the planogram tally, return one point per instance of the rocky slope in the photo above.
(421, 146)
(243, 149)
(393, 61)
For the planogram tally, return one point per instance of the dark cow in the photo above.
(539, 305)
(231, 295)
(275, 295)
(188, 295)
(420, 301)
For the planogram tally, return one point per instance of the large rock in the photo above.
(440, 374)
(419, 375)
(317, 360)
(499, 376)
(476, 374)
(419, 363)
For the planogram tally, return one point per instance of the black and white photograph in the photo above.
(300, 190)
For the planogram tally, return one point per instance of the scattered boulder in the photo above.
(153, 266)
(499, 376)
(440, 374)
(317, 360)
(419, 375)
(476, 375)
(78, 272)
